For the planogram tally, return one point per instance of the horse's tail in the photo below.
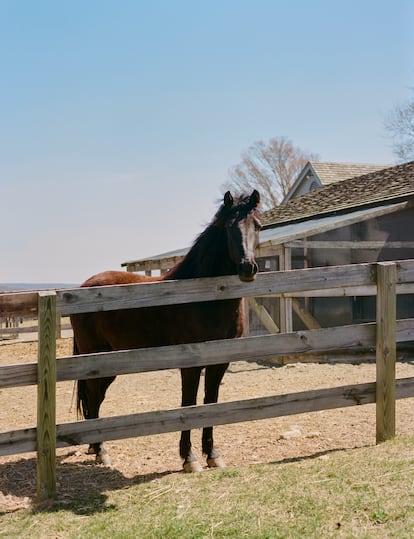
(81, 399)
(80, 390)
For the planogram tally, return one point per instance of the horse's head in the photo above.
(242, 226)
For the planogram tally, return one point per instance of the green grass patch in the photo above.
(361, 493)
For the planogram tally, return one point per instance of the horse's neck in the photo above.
(208, 257)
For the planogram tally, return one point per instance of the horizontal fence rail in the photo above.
(388, 279)
(353, 279)
(203, 354)
(192, 417)
(218, 288)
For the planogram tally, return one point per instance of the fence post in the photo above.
(46, 396)
(386, 350)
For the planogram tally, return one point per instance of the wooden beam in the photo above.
(314, 244)
(286, 318)
(18, 303)
(345, 291)
(148, 423)
(202, 354)
(386, 351)
(263, 316)
(46, 397)
(32, 329)
(306, 317)
(79, 300)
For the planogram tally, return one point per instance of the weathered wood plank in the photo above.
(216, 288)
(46, 397)
(30, 329)
(190, 355)
(285, 304)
(306, 317)
(13, 442)
(18, 304)
(290, 283)
(148, 423)
(213, 414)
(18, 329)
(209, 353)
(345, 291)
(386, 351)
(18, 374)
(263, 316)
(405, 271)
(326, 244)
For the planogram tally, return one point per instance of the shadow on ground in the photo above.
(81, 486)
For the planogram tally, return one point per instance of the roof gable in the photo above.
(382, 186)
(318, 174)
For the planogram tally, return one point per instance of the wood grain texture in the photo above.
(18, 304)
(148, 423)
(386, 350)
(209, 289)
(191, 355)
(217, 288)
(46, 397)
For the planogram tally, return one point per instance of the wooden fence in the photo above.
(16, 326)
(387, 278)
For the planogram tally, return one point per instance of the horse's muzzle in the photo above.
(247, 271)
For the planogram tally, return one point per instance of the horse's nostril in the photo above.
(247, 269)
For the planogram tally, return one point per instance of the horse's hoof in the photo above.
(103, 458)
(216, 462)
(192, 466)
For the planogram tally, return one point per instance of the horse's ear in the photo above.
(255, 198)
(228, 199)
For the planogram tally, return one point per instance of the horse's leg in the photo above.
(190, 379)
(91, 394)
(213, 378)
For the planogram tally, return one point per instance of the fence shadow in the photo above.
(81, 486)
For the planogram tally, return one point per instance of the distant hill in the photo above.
(19, 287)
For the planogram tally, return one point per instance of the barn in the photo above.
(365, 218)
(368, 218)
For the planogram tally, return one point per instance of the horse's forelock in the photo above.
(242, 205)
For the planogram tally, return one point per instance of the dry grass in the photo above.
(360, 493)
(151, 464)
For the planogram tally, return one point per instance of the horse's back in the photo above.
(152, 326)
(90, 330)
(112, 277)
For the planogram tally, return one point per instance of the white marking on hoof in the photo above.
(216, 462)
(192, 466)
(103, 458)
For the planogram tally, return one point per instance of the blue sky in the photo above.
(120, 119)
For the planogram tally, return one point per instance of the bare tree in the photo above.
(271, 167)
(400, 126)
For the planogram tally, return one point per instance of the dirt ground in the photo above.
(145, 459)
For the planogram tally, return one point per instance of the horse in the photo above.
(226, 247)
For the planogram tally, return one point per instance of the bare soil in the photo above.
(148, 458)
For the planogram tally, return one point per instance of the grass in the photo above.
(360, 493)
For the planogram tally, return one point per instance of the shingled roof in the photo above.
(384, 185)
(335, 172)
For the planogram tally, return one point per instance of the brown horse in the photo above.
(226, 247)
